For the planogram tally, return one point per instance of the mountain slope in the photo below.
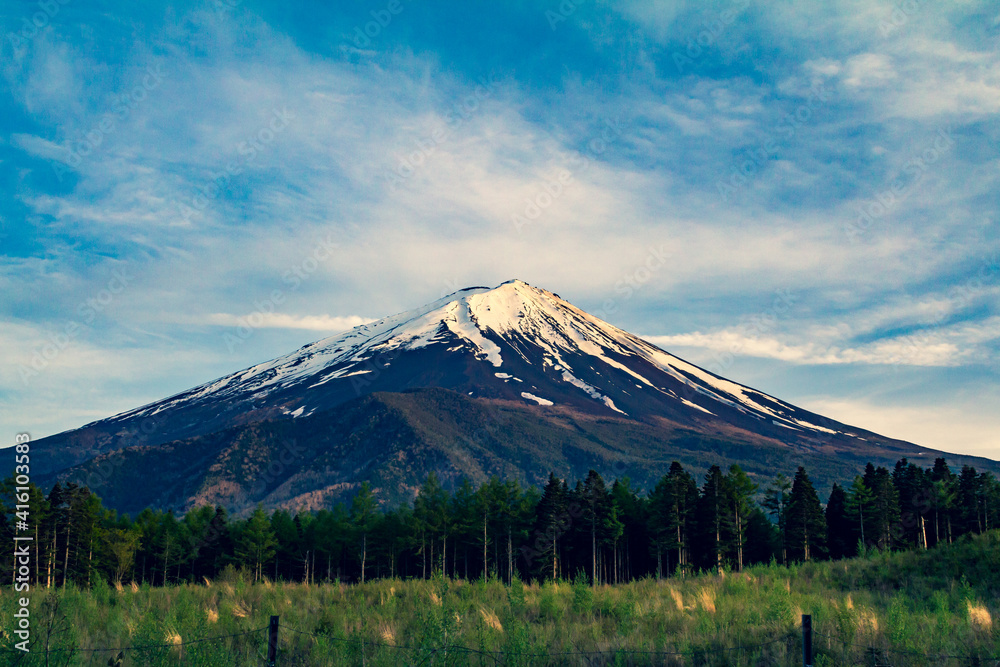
(392, 440)
(520, 347)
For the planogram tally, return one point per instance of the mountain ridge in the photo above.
(516, 346)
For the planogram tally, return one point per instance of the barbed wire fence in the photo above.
(264, 646)
(422, 654)
(239, 645)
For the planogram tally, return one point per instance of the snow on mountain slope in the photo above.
(510, 330)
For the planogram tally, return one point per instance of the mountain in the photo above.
(512, 380)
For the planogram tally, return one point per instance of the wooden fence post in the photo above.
(807, 640)
(272, 642)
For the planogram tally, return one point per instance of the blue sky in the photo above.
(799, 196)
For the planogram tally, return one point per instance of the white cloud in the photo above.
(262, 320)
(917, 77)
(449, 224)
(951, 345)
(868, 70)
(948, 428)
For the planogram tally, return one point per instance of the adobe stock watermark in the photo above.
(223, 6)
(247, 152)
(89, 142)
(751, 163)
(88, 310)
(102, 469)
(752, 327)
(960, 297)
(901, 13)
(901, 187)
(24, 524)
(634, 280)
(577, 163)
(562, 12)
(38, 21)
(276, 468)
(708, 36)
(294, 277)
(459, 114)
(362, 35)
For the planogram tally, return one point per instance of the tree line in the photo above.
(501, 529)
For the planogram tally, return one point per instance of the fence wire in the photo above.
(851, 652)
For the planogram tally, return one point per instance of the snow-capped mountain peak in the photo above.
(514, 341)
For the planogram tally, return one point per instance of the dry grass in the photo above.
(490, 618)
(212, 615)
(867, 621)
(240, 610)
(387, 633)
(706, 598)
(979, 616)
(678, 598)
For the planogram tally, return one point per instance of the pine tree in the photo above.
(466, 523)
(991, 500)
(633, 513)
(740, 501)
(763, 538)
(597, 513)
(431, 509)
(970, 501)
(885, 505)
(255, 545)
(861, 508)
(713, 519)
(944, 493)
(805, 532)
(913, 488)
(551, 523)
(288, 552)
(776, 503)
(840, 531)
(363, 516)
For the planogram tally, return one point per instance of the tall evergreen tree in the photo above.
(363, 517)
(255, 543)
(970, 501)
(714, 523)
(740, 504)
(861, 509)
(672, 506)
(805, 531)
(631, 551)
(599, 517)
(944, 493)
(885, 505)
(466, 522)
(840, 533)
(552, 521)
(776, 504)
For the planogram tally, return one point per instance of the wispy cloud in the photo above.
(213, 208)
(285, 321)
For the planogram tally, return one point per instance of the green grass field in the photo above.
(884, 609)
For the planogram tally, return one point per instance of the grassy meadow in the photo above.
(882, 609)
